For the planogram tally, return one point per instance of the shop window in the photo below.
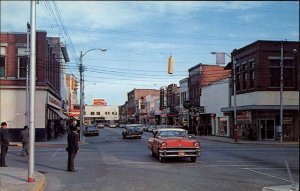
(2, 66)
(22, 67)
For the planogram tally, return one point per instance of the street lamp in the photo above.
(82, 88)
(234, 90)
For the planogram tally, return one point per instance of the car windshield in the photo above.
(90, 128)
(173, 134)
(132, 128)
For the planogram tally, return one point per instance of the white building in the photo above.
(214, 97)
(95, 113)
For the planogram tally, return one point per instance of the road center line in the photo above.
(268, 175)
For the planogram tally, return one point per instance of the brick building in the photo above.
(133, 103)
(200, 76)
(257, 67)
(49, 103)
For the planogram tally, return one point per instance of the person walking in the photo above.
(25, 139)
(72, 148)
(4, 143)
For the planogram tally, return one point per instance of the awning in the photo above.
(59, 113)
(260, 107)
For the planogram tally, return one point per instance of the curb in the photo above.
(40, 186)
(252, 143)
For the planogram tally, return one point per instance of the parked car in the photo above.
(173, 142)
(91, 130)
(131, 131)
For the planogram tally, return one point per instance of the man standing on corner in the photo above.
(72, 148)
(4, 143)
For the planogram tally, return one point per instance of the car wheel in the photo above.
(193, 159)
(152, 153)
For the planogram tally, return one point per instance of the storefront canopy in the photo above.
(59, 113)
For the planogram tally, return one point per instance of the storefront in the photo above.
(56, 120)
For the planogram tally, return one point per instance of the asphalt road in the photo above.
(110, 163)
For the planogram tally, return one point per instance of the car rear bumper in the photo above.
(179, 153)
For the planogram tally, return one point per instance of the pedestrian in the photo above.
(25, 139)
(209, 129)
(4, 143)
(72, 148)
(250, 133)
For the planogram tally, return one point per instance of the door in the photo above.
(267, 129)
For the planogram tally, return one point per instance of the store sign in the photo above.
(53, 101)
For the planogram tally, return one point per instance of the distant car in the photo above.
(151, 128)
(173, 142)
(132, 132)
(161, 127)
(91, 130)
(100, 125)
(112, 125)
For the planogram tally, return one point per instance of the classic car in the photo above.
(173, 142)
(132, 131)
(91, 130)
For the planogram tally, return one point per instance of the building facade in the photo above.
(258, 74)
(49, 112)
(96, 114)
(199, 76)
(134, 98)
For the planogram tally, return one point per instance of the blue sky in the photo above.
(141, 35)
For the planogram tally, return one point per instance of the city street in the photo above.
(110, 163)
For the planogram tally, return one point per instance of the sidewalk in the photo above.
(15, 179)
(240, 141)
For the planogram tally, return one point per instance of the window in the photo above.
(274, 68)
(98, 113)
(252, 73)
(245, 76)
(2, 66)
(92, 113)
(22, 67)
(112, 113)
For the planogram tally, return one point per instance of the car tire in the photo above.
(152, 153)
(193, 159)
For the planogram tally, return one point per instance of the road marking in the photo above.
(268, 175)
(55, 153)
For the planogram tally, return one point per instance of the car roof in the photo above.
(171, 129)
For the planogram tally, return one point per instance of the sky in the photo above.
(141, 35)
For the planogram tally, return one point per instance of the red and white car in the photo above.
(173, 142)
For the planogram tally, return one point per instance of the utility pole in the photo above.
(27, 77)
(281, 92)
(32, 92)
(81, 97)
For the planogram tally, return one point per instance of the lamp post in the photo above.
(234, 90)
(82, 88)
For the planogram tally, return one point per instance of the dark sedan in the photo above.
(91, 130)
(131, 131)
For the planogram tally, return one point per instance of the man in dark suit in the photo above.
(4, 143)
(72, 148)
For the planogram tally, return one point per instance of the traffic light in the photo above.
(74, 84)
(170, 65)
